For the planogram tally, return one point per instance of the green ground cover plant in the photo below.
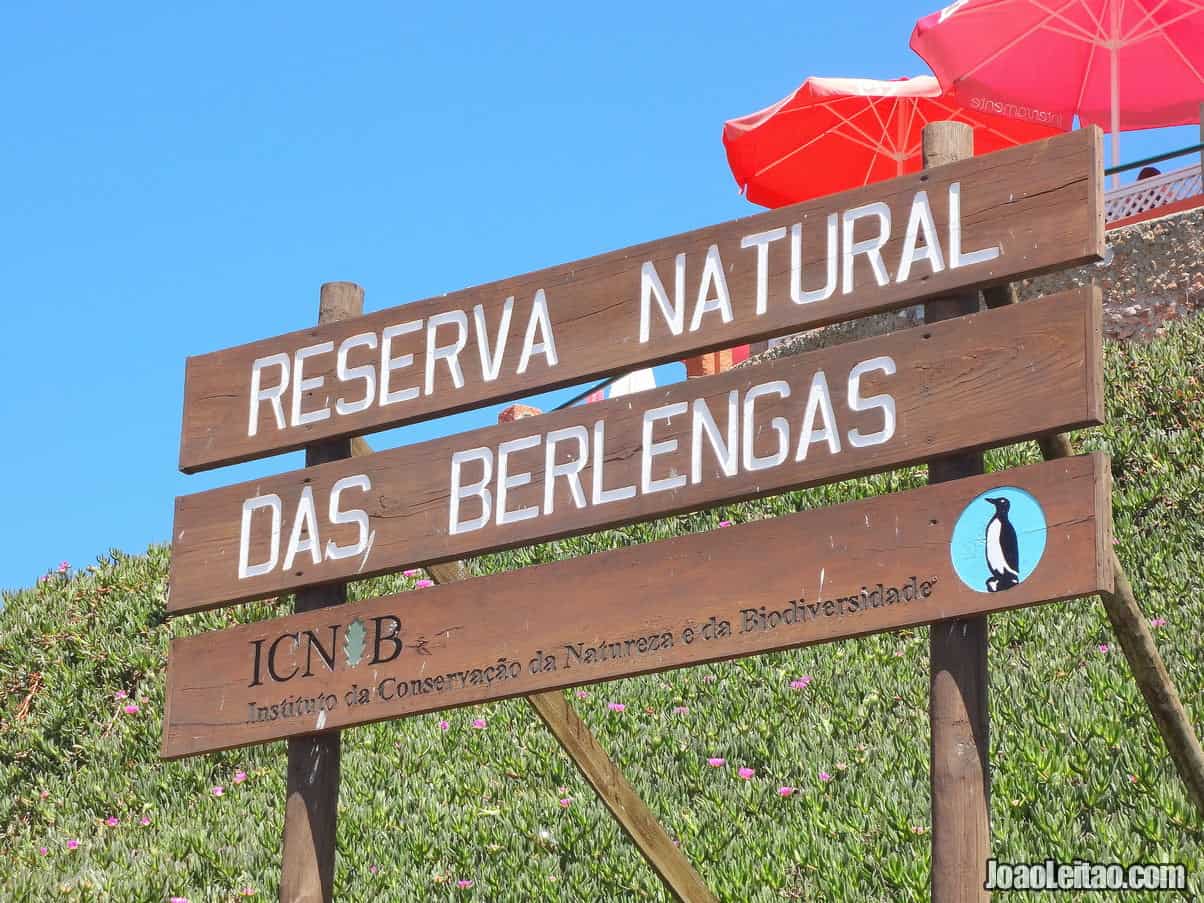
(800, 775)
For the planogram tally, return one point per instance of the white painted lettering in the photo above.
(450, 353)
(547, 344)
(272, 394)
(919, 219)
(365, 372)
(779, 424)
(956, 258)
(460, 491)
(570, 470)
(819, 401)
(507, 481)
(388, 363)
(652, 449)
(760, 241)
(870, 247)
(249, 507)
(884, 403)
(651, 285)
(809, 296)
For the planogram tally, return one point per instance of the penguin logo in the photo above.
(998, 539)
(1003, 552)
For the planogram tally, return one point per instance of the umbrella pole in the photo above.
(1114, 78)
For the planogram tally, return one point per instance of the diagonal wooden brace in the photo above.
(634, 817)
(1132, 630)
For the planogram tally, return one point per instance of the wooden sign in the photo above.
(989, 379)
(981, 221)
(972, 546)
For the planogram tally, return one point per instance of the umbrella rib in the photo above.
(867, 142)
(1182, 56)
(1078, 104)
(1147, 16)
(1075, 30)
(867, 137)
(1013, 42)
(1158, 27)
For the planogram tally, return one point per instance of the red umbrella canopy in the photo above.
(1119, 64)
(837, 133)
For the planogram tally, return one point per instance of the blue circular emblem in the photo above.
(998, 539)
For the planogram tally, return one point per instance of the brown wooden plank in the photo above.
(691, 594)
(993, 378)
(1040, 205)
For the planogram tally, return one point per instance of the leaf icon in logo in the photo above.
(353, 645)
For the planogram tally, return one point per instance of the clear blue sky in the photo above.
(181, 178)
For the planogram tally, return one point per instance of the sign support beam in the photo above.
(957, 711)
(1132, 629)
(620, 798)
(311, 808)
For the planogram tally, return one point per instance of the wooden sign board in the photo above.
(976, 222)
(854, 569)
(989, 379)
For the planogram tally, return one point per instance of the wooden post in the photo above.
(307, 871)
(634, 817)
(1132, 630)
(957, 710)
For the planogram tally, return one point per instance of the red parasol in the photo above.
(1119, 64)
(837, 133)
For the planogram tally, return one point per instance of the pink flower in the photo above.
(45, 794)
(130, 709)
(218, 790)
(43, 850)
(581, 694)
(1132, 779)
(709, 678)
(411, 572)
(64, 567)
(373, 869)
(248, 892)
(73, 844)
(240, 776)
(112, 821)
(422, 584)
(566, 802)
(725, 523)
(443, 726)
(478, 724)
(747, 773)
(786, 791)
(615, 706)
(1157, 622)
(716, 762)
(825, 777)
(144, 821)
(464, 883)
(800, 683)
(177, 900)
(121, 694)
(1104, 648)
(681, 710)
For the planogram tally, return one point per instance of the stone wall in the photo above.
(1153, 273)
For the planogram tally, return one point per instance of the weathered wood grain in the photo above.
(1040, 204)
(988, 379)
(959, 736)
(651, 607)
